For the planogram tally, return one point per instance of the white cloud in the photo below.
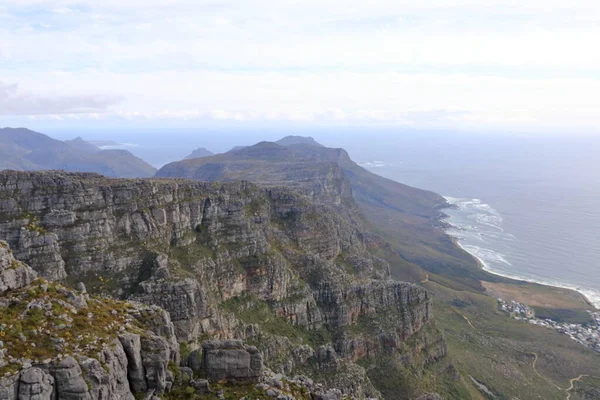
(459, 63)
(61, 10)
(14, 101)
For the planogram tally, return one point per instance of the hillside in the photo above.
(199, 153)
(407, 217)
(289, 277)
(26, 150)
(295, 277)
(291, 140)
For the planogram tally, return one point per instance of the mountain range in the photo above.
(26, 150)
(408, 217)
(279, 270)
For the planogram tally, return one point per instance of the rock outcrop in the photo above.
(231, 360)
(290, 272)
(62, 344)
(13, 274)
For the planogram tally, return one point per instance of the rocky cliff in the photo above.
(294, 277)
(58, 343)
(408, 217)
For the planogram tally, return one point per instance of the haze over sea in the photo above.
(527, 206)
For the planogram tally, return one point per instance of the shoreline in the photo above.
(592, 299)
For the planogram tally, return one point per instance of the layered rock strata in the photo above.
(272, 266)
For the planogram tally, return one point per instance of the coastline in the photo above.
(593, 299)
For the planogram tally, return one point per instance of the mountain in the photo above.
(80, 144)
(114, 350)
(407, 217)
(199, 153)
(295, 277)
(23, 149)
(260, 283)
(291, 140)
(235, 148)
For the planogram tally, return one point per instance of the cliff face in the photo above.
(66, 344)
(408, 217)
(293, 276)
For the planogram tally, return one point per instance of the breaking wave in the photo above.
(477, 226)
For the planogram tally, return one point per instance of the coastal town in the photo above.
(587, 335)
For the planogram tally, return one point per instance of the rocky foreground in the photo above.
(293, 274)
(65, 344)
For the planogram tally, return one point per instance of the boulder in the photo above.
(35, 384)
(231, 360)
(13, 274)
(69, 381)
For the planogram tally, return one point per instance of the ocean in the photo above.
(527, 206)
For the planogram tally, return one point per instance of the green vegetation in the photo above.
(229, 392)
(395, 380)
(511, 358)
(33, 224)
(40, 317)
(255, 311)
(256, 207)
(564, 315)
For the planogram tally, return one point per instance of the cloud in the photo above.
(436, 62)
(16, 102)
(61, 10)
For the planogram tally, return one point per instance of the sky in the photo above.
(460, 64)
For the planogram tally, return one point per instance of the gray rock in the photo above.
(13, 274)
(156, 355)
(135, 368)
(69, 381)
(332, 394)
(35, 384)
(78, 300)
(231, 361)
(107, 375)
(194, 360)
(81, 287)
(201, 386)
(9, 387)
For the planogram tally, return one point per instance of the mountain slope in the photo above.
(199, 153)
(23, 149)
(80, 144)
(407, 217)
(295, 277)
(291, 140)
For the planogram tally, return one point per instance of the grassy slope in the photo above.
(484, 343)
(499, 352)
(408, 219)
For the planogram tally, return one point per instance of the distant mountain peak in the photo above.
(200, 152)
(80, 144)
(24, 149)
(292, 140)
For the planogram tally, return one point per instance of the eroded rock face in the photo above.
(35, 384)
(135, 369)
(199, 250)
(82, 360)
(13, 274)
(231, 360)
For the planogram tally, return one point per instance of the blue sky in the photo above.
(462, 64)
